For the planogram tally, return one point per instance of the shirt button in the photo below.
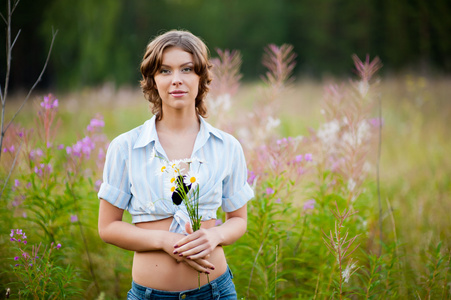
(183, 296)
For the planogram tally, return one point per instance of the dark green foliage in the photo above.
(104, 40)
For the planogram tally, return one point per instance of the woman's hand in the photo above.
(197, 245)
(201, 243)
(198, 264)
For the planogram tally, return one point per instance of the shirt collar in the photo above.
(208, 129)
(149, 134)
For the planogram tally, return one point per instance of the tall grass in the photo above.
(311, 150)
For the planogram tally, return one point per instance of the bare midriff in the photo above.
(159, 270)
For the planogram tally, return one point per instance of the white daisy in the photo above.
(191, 178)
(197, 159)
(187, 160)
(172, 178)
(175, 164)
(163, 169)
(171, 187)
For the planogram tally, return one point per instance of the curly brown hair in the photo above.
(152, 61)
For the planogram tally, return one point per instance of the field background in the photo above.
(311, 135)
(415, 169)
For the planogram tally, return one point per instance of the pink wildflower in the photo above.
(95, 123)
(309, 204)
(98, 183)
(269, 191)
(101, 154)
(36, 153)
(251, 177)
(38, 171)
(376, 122)
(48, 104)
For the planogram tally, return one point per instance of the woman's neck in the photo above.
(178, 124)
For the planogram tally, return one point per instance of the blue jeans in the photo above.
(221, 288)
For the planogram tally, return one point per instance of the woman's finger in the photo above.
(200, 265)
(194, 251)
(188, 228)
(188, 238)
(189, 246)
(205, 263)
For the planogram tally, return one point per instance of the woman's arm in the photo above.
(202, 242)
(113, 230)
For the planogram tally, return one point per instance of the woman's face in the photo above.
(176, 81)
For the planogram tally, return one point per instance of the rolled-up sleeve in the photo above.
(115, 187)
(236, 190)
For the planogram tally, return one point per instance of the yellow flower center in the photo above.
(172, 189)
(172, 179)
(192, 179)
(163, 168)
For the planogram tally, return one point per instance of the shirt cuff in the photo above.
(114, 196)
(238, 199)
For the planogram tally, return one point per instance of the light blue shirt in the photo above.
(131, 180)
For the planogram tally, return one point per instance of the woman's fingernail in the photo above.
(176, 246)
(212, 268)
(207, 272)
(175, 252)
(180, 254)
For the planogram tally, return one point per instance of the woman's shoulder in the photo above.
(228, 142)
(223, 136)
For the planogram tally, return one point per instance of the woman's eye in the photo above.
(187, 69)
(164, 71)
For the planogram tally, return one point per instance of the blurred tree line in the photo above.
(104, 40)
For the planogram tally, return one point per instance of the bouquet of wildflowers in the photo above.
(183, 187)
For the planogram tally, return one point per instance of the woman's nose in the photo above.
(176, 80)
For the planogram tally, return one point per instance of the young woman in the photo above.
(168, 254)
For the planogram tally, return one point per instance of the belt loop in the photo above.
(148, 293)
(230, 272)
(214, 290)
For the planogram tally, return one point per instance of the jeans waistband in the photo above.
(218, 282)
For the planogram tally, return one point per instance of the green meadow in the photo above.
(365, 217)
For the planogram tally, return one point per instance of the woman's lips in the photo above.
(178, 93)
